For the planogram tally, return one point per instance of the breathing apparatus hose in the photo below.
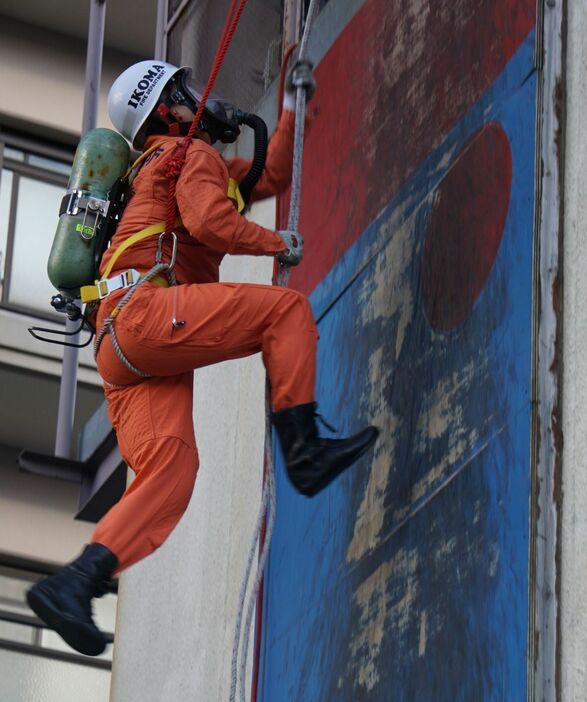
(260, 154)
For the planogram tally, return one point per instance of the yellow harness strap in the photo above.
(90, 293)
(234, 194)
(157, 228)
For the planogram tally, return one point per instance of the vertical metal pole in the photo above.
(292, 22)
(67, 390)
(160, 33)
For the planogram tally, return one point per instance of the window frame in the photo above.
(29, 146)
(31, 571)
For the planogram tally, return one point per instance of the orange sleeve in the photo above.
(276, 175)
(207, 213)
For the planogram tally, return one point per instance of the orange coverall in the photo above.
(153, 417)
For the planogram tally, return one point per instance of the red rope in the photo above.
(177, 160)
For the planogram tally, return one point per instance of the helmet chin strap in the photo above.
(174, 126)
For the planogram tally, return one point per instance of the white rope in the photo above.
(268, 497)
(270, 489)
(243, 590)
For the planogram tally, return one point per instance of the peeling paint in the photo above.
(422, 637)
(380, 609)
(438, 472)
(371, 512)
(442, 411)
(388, 292)
(407, 579)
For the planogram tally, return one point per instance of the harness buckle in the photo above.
(159, 254)
(122, 280)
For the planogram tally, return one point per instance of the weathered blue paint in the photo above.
(408, 578)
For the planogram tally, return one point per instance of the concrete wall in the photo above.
(43, 78)
(36, 515)
(177, 608)
(574, 506)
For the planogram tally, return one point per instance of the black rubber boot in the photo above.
(313, 462)
(63, 600)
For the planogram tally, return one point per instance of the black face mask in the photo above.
(219, 119)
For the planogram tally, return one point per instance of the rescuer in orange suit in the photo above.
(166, 331)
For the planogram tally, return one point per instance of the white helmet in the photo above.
(135, 94)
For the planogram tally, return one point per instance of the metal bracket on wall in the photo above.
(51, 466)
(100, 470)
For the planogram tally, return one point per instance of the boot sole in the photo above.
(73, 632)
(325, 482)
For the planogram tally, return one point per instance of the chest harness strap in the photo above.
(161, 274)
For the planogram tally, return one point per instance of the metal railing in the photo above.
(26, 569)
(35, 649)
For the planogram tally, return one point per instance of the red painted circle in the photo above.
(465, 227)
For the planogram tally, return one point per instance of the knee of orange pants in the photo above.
(153, 504)
(289, 351)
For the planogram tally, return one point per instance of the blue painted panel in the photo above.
(408, 578)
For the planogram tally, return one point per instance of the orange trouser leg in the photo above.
(153, 417)
(218, 322)
(153, 422)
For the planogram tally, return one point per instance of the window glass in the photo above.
(5, 193)
(49, 164)
(24, 677)
(36, 220)
(14, 154)
(13, 600)
(12, 594)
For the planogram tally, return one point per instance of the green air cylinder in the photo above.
(101, 158)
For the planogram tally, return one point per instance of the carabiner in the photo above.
(159, 254)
